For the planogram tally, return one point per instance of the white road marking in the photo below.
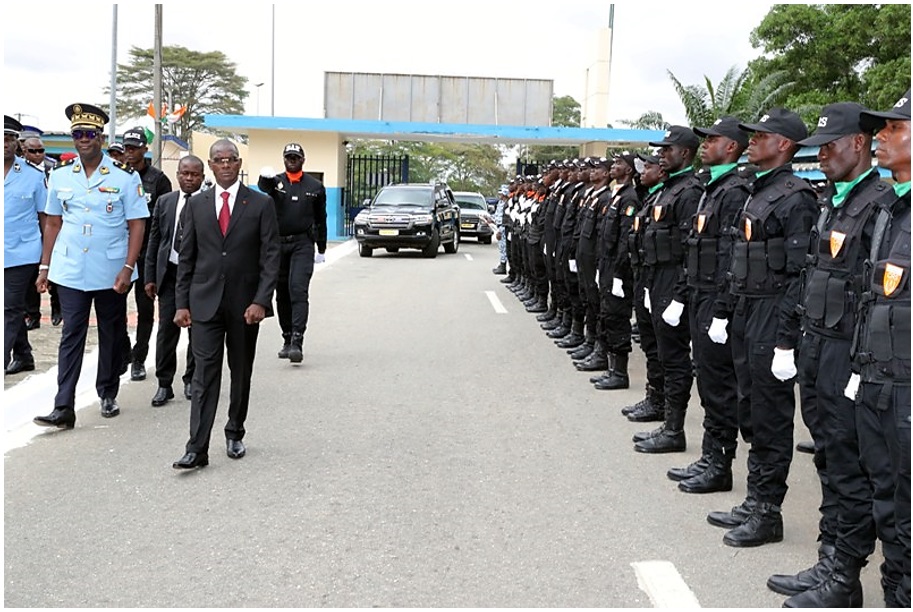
(495, 302)
(664, 585)
(468, 256)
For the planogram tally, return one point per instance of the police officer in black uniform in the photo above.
(301, 209)
(560, 325)
(664, 239)
(535, 239)
(572, 337)
(549, 206)
(155, 184)
(708, 258)
(767, 258)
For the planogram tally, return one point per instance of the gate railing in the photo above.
(365, 175)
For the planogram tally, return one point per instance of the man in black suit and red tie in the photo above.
(227, 272)
(161, 275)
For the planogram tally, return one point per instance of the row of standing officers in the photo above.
(747, 280)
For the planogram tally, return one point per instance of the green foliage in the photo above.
(650, 120)
(205, 83)
(565, 113)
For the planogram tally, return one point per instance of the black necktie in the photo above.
(180, 228)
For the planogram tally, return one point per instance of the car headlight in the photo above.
(422, 219)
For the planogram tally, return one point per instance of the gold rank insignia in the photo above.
(77, 168)
(104, 170)
(892, 276)
(701, 220)
(836, 241)
(747, 229)
(657, 213)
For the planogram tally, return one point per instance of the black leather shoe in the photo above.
(137, 371)
(692, 469)
(793, 584)
(667, 441)
(63, 418)
(188, 391)
(162, 395)
(648, 414)
(640, 436)
(109, 407)
(714, 479)
(190, 461)
(235, 449)
(20, 365)
(32, 324)
(806, 446)
(56, 318)
(764, 526)
(735, 517)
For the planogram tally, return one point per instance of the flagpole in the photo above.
(157, 86)
(112, 104)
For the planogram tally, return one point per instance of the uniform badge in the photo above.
(110, 207)
(629, 211)
(109, 189)
(17, 167)
(104, 170)
(892, 276)
(836, 241)
(77, 168)
(657, 213)
(747, 229)
(279, 185)
(139, 191)
(701, 220)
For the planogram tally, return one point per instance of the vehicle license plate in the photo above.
(467, 225)
(388, 232)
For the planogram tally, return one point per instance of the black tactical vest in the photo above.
(703, 242)
(662, 239)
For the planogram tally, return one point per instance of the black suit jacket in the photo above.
(161, 237)
(239, 269)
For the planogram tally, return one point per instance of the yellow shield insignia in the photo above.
(747, 229)
(701, 220)
(657, 213)
(837, 239)
(892, 276)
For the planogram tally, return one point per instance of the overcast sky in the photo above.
(61, 53)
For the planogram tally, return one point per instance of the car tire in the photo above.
(484, 239)
(364, 250)
(454, 245)
(430, 251)
(392, 249)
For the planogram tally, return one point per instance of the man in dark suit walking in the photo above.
(161, 273)
(227, 272)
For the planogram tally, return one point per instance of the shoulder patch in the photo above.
(123, 166)
(66, 163)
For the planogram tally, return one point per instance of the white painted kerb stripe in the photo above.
(664, 585)
(468, 256)
(495, 302)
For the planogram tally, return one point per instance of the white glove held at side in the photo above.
(672, 315)
(852, 387)
(617, 289)
(319, 258)
(717, 331)
(784, 364)
(647, 300)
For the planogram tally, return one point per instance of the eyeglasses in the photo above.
(35, 150)
(221, 161)
(90, 134)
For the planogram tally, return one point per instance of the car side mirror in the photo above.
(366, 202)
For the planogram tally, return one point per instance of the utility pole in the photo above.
(157, 87)
(112, 103)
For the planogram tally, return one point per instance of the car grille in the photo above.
(390, 221)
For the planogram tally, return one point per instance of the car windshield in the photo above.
(412, 196)
(471, 201)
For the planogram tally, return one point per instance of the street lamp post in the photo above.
(258, 86)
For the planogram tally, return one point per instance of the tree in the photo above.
(204, 83)
(650, 120)
(836, 52)
(565, 113)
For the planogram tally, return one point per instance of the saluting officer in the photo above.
(301, 208)
(96, 216)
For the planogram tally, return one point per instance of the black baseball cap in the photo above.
(678, 135)
(727, 127)
(780, 121)
(293, 148)
(11, 126)
(116, 146)
(627, 157)
(836, 121)
(648, 159)
(872, 120)
(135, 137)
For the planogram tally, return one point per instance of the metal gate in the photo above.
(365, 175)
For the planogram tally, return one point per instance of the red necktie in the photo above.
(224, 214)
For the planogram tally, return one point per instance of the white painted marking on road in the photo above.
(664, 585)
(468, 256)
(495, 302)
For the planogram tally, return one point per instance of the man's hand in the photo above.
(647, 306)
(254, 314)
(123, 280)
(182, 317)
(150, 290)
(783, 366)
(717, 331)
(852, 387)
(320, 258)
(267, 172)
(617, 288)
(672, 315)
(41, 285)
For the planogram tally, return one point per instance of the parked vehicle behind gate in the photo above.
(410, 216)
(474, 218)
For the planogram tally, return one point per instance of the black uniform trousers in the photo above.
(586, 283)
(111, 315)
(536, 258)
(767, 406)
(716, 380)
(884, 446)
(296, 267)
(226, 329)
(559, 266)
(613, 325)
(655, 378)
(673, 343)
(16, 280)
(571, 282)
(168, 335)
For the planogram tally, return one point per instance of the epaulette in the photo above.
(123, 167)
(64, 164)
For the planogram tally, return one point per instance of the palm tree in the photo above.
(739, 94)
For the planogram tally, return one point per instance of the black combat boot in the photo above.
(296, 352)
(645, 402)
(596, 360)
(286, 346)
(653, 411)
(555, 321)
(618, 375)
(549, 314)
(510, 279)
(841, 588)
(500, 269)
(690, 470)
(764, 526)
(565, 328)
(792, 584)
(575, 338)
(735, 517)
(583, 351)
(640, 436)
(671, 439)
(717, 476)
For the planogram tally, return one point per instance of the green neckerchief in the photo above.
(841, 190)
(763, 172)
(655, 188)
(902, 189)
(718, 171)
(688, 169)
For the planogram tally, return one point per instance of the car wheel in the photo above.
(430, 251)
(393, 249)
(364, 250)
(485, 239)
(454, 245)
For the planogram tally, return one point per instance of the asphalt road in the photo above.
(429, 452)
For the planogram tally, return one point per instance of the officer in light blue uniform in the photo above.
(96, 211)
(24, 195)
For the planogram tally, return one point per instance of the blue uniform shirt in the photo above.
(91, 247)
(24, 195)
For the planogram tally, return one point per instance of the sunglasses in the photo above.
(221, 161)
(35, 150)
(90, 134)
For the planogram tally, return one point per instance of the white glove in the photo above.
(784, 364)
(267, 172)
(672, 315)
(617, 289)
(572, 265)
(319, 258)
(852, 387)
(717, 331)
(647, 300)
(597, 279)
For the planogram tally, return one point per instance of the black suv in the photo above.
(410, 216)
